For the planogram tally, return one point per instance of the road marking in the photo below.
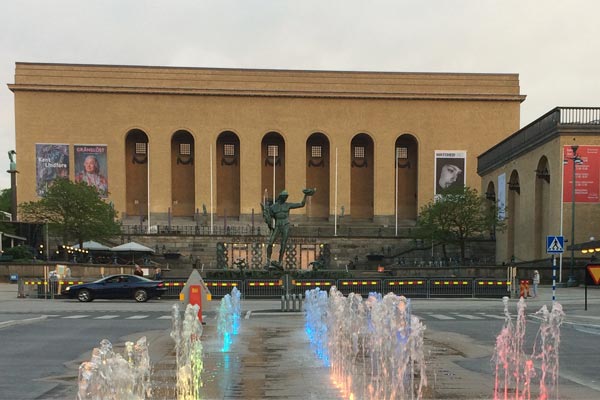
(137, 317)
(468, 316)
(493, 316)
(75, 316)
(107, 317)
(441, 316)
(165, 317)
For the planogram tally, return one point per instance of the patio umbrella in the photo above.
(92, 246)
(132, 248)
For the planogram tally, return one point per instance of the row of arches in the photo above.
(516, 210)
(228, 172)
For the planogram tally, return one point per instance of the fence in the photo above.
(275, 288)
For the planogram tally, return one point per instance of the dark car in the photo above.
(120, 286)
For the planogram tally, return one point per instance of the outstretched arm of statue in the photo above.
(307, 192)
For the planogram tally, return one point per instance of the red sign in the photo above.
(594, 271)
(587, 175)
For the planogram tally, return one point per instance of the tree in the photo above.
(6, 206)
(456, 216)
(73, 211)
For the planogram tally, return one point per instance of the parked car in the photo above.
(121, 286)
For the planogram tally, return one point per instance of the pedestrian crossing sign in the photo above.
(555, 244)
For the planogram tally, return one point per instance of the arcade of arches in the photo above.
(227, 173)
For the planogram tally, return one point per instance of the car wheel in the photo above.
(84, 295)
(140, 295)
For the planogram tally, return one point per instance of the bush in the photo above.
(19, 253)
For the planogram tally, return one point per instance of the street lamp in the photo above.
(576, 160)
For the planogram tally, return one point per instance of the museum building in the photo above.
(530, 176)
(160, 141)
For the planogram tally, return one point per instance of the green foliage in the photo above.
(73, 211)
(5, 205)
(19, 253)
(456, 216)
(5, 200)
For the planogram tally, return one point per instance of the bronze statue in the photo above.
(276, 216)
(13, 163)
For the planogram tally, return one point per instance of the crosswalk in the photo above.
(424, 316)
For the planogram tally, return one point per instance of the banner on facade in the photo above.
(587, 175)
(91, 166)
(501, 197)
(450, 169)
(52, 161)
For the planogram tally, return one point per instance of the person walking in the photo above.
(536, 282)
(138, 270)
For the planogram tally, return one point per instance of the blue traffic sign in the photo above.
(555, 244)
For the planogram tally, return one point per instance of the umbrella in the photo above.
(133, 247)
(92, 246)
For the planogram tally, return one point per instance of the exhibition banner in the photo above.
(450, 169)
(91, 166)
(587, 175)
(52, 161)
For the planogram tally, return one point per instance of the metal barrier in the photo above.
(219, 289)
(266, 288)
(300, 286)
(413, 288)
(451, 287)
(491, 288)
(359, 286)
(275, 288)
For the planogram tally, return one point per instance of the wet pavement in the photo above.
(271, 357)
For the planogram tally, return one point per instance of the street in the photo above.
(45, 341)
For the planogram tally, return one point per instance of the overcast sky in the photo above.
(551, 44)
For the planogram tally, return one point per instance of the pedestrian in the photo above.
(536, 282)
(138, 271)
(157, 274)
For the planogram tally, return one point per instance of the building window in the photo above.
(185, 149)
(316, 152)
(402, 152)
(140, 148)
(359, 152)
(229, 150)
(273, 150)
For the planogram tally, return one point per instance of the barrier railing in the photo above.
(263, 288)
(359, 286)
(275, 288)
(451, 287)
(299, 286)
(413, 288)
(491, 288)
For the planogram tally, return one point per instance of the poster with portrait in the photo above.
(91, 166)
(450, 167)
(587, 175)
(51, 162)
(501, 197)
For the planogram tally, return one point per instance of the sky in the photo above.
(551, 44)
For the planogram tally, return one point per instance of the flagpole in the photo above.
(148, 184)
(212, 216)
(273, 176)
(335, 194)
(396, 188)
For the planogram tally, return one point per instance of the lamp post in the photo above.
(576, 160)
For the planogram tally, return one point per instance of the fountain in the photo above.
(188, 350)
(112, 376)
(374, 348)
(515, 371)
